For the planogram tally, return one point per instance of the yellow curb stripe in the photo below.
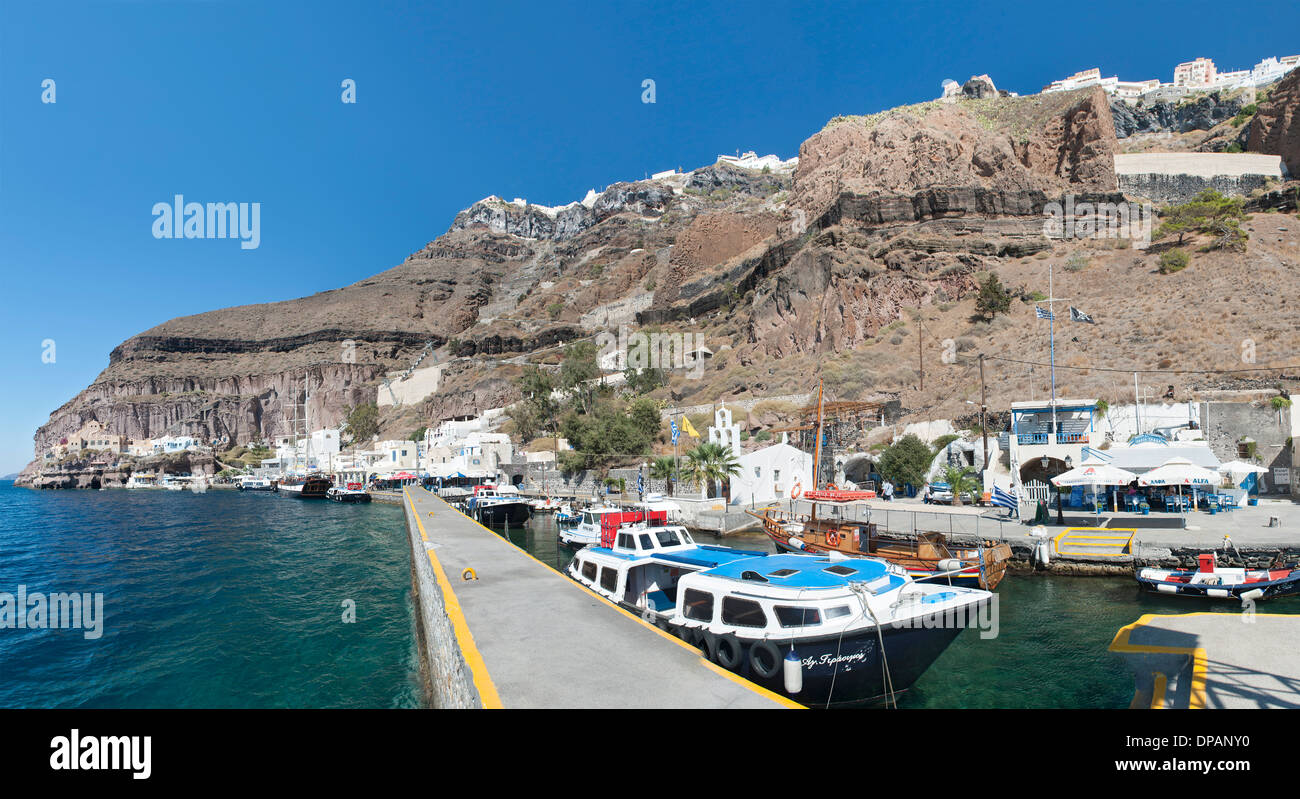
(736, 678)
(1158, 693)
(1200, 658)
(487, 690)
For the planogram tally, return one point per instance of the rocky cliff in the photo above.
(1276, 126)
(787, 276)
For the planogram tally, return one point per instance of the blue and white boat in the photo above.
(587, 529)
(822, 630)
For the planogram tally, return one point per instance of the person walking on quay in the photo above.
(888, 491)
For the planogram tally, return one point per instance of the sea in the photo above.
(252, 600)
(220, 599)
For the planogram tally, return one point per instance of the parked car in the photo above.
(941, 493)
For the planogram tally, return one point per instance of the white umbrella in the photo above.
(1094, 474)
(1180, 472)
(1238, 470)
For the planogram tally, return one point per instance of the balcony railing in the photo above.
(1043, 438)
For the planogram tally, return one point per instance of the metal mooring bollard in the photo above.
(468, 574)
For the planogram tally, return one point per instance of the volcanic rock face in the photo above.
(1201, 113)
(1276, 127)
(883, 214)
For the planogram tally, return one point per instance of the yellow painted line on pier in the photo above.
(736, 678)
(487, 690)
(1200, 659)
(1158, 692)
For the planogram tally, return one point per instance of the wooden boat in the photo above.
(928, 556)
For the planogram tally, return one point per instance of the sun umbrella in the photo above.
(1239, 470)
(1180, 472)
(1094, 474)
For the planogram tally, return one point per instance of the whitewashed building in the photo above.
(768, 474)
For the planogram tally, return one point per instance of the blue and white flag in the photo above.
(640, 484)
(1044, 314)
(673, 424)
(1005, 499)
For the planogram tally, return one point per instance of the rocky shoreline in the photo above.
(83, 474)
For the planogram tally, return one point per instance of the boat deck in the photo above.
(531, 637)
(1213, 660)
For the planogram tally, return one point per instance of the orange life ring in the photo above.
(796, 491)
(833, 538)
(830, 487)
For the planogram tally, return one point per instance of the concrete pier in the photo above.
(1213, 660)
(499, 628)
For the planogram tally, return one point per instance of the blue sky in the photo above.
(232, 101)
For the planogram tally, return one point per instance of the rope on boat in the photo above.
(887, 679)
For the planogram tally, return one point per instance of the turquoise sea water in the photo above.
(220, 599)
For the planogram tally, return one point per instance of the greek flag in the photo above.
(673, 425)
(1044, 314)
(1005, 499)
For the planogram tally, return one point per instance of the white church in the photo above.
(767, 474)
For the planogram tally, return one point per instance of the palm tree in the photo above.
(665, 469)
(711, 464)
(961, 480)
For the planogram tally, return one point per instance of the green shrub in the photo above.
(1173, 261)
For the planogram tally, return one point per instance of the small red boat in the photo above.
(1211, 581)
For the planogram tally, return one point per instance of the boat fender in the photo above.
(468, 574)
(730, 652)
(761, 651)
(708, 644)
(950, 565)
(793, 672)
(797, 543)
(1252, 594)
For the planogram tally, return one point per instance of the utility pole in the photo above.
(920, 362)
(984, 421)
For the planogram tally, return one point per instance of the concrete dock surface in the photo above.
(530, 637)
(1230, 659)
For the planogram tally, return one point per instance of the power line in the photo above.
(1151, 371)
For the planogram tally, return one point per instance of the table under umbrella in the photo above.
(1180, 472)
(1094, 474)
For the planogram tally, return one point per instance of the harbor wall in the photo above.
(448, 682)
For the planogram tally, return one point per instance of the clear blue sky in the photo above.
(240, 101)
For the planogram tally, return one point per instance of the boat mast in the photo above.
(817, 449)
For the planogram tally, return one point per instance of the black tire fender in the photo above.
(730, 652)
(708, 643)
(768, 648)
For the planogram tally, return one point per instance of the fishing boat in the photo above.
(822, 630)
(836, 525)
(493, 505)
(314, 486)
(545, 505)
(1211, 581)
(587, 528)
(839, 523)
(567, 515)
(350, 492)
(247, 483)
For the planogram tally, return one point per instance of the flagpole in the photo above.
(1051, 328)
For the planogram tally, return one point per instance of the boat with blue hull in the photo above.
(824, 630)
(1211, 581)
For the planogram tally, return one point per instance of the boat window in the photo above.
(686, 537)
(843, 571)
(646, 543)
(609, 579)
(743, 612)
(836, 612)
(587, 519)
(698, 605)
(589, 571)
(782, 573)
(797, 617)
(667, 538)
(625, 541)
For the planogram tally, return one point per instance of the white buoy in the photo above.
(793, 673)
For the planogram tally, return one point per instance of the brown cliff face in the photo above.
(884, 214)
(1275, 130)
(1007, 145)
